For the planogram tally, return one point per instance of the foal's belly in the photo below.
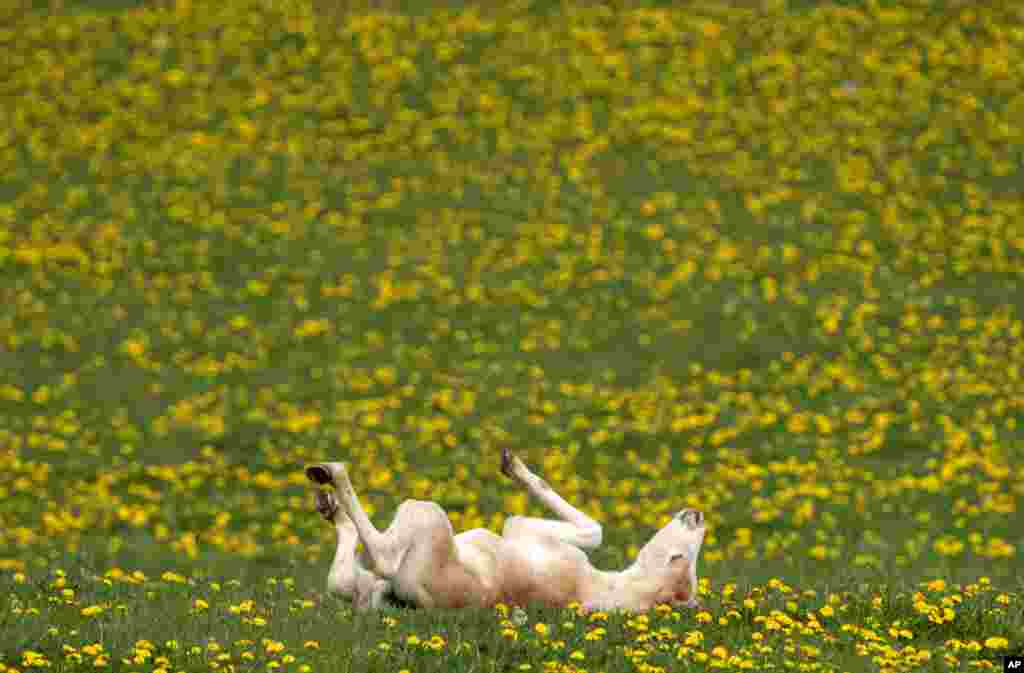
(521, 570)
(543, 571)
(481, 569)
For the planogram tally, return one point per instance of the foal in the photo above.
(419, 560)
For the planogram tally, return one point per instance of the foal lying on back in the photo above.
(420, 560)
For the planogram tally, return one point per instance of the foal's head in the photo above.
(670, 558)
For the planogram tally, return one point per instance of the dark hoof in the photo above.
(507, 463)
(325, 504)
(319, 474)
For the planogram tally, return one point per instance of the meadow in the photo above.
(760, 258)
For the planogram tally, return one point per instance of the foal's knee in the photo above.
(416, 522)
(342, 581)
(513, 525)
(591, 536)
(369, 593)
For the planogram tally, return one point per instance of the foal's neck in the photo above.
(634, 588)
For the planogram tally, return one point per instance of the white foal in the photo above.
(421, 561)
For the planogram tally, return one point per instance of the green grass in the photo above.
(761, 259)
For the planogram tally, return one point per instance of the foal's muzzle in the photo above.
(693, 518)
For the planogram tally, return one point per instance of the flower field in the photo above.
(765, 259)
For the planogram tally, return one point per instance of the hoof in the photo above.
(319, 474)
(325, 504)
(508, 464)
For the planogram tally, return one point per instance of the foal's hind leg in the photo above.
(383, 551)
(416, 553)
(575, 527)
(347, 577)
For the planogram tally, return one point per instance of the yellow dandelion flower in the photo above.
(33, 659)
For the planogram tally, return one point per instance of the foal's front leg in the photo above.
(575, 527)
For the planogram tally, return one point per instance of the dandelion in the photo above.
(948, 546)
(32, 659)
